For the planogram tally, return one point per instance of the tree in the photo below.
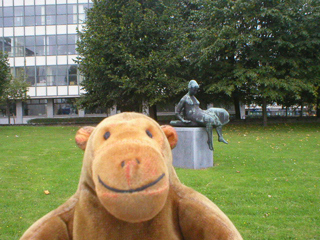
(131, 53)
(4, 72)
(257, 51)
(15, 89)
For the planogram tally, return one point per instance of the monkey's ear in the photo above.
(82, 136)
(171, 134)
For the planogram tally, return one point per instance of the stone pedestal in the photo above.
(192, 150)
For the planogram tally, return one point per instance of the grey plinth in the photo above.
(192, 149)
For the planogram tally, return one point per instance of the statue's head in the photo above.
(193, 87)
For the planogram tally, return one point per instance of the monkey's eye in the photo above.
(106, 135)
(149, 133)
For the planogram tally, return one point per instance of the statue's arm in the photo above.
(179, 111)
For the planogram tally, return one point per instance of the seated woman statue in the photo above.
(188, 111)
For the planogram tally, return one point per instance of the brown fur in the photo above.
(128, 189)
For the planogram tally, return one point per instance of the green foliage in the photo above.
(131, 52)
(258, 49)
(15, 89)
(4, 72)
(266, 179)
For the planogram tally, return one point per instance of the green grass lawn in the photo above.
(266, 179)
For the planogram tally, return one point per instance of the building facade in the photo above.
(40, 37)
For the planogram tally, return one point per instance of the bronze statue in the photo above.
(190, 114)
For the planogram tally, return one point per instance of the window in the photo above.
(40, 15)
(29, 11)
(29, 21)
(8, 11)
(40, 45)
(72, 19)
(8, 22)
(61, 75)
(72, 9)
(30, 75)
(19, 46)
(51, 78)
(8, 46)
(40, 10)
(51, 19)
(35, 107)
(62, 19)
(62, 44)
(64, 106)
(62, 9)
(41, 75)
(72, 72)
(30, 42)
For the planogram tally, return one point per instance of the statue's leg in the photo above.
(209, 130)
(219, 131)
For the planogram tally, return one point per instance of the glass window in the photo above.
(61, 9)
(29, 11)
(64, 107)
(72, 79)
(40, 40)
(62, 49)
(72, 39)
(19, 51)
(51, 19)
(18, 21)
(51, 10)
(19, 41)
(30, 75)
(72, 69)
(18, 11)
(61, 76)
(41, 75)
(40, 50)
(34, 108)
(8, 11)
(30, 40)
(51, 72)
(72, 19)
(40, 10)
(8, 22)
(29, 21)
(51, 40)
(72, 9)
(40, 20)
(72, 49)
(8, 42)
(62, 39)
(52, 50)
(62, 19)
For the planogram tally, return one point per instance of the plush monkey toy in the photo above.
(129, 189)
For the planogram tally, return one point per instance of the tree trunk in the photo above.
(301, 112)
(153, 112)
(264, 112)
(236, 103)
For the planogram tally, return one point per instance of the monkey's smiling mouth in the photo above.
(131, 190)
